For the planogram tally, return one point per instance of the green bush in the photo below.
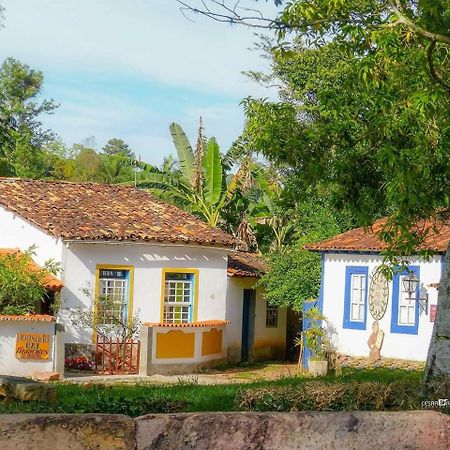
(134, 407)
(319, 396)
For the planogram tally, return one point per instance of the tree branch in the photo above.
(433, 71)
(402, 19)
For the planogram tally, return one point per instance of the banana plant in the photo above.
(200, 186)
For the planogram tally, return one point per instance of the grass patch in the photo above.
(140, 399)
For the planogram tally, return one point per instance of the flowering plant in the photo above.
(79, 363)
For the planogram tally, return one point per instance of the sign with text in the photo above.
(32, 345)
(433, 309)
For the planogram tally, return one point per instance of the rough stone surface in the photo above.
(66, 431)
(309, 430)
(46, 376)
(222, 431)
(24, 389)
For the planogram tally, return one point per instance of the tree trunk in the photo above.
(438, 360)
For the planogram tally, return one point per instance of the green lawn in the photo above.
(139, 399)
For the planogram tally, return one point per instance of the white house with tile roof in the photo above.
(160, 262)
(353, 296)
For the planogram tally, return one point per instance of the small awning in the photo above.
(51, 283)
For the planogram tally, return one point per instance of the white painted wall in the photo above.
(17, 232)
(80, 261)
(9, 364)
(354, 342)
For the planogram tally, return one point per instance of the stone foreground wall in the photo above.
(234, 431)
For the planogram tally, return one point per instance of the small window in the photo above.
(355, 298)
(113, 295)
(178, 297)
(271, 316)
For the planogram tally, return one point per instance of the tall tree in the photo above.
(115, 146)
(21, 133)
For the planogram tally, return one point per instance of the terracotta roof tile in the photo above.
(28, 318)
(361, 240)
(242, 264)
(90, 211)
(206, 323)
(50, 281)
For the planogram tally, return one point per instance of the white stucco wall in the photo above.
(354, 342)
(16, 232)
(80, 261)
(9, 364)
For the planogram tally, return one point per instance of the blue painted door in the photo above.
(248, 323)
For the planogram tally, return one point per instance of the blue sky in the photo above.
(128, 69)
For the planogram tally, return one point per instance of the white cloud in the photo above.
(148, 38)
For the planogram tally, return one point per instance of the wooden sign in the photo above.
(32, 346)
(433, 309)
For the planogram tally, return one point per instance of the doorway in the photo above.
(248, 324)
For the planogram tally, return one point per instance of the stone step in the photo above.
(19, 388)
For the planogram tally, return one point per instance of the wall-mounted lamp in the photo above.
(410, 284)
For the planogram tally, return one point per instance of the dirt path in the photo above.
(232, 375)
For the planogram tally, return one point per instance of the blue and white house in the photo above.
(354, 294)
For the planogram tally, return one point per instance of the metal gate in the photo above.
(116, 357)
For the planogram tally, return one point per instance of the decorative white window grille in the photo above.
(178, 297)
(357, 297)
(113, 296)
(406, 306)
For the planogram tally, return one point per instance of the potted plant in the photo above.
(315, 337)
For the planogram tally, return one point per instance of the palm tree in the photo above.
(200, 186)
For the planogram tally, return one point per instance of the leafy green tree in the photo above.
(86, 164)
(200, 185)
(364, 108)
(21, 286)
(294, 273)
(21, 133)
(115, 146)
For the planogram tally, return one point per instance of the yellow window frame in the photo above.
(195, 272)
(130, 270)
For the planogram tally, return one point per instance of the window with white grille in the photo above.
(406, 305)
(357, 297)
(178, 297)
(113, 296)
(271, 316)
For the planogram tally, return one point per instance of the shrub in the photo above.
(79, 363)
(319, 396)
(137, 406)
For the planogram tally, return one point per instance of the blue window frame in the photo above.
(355, 300)
(405, 312)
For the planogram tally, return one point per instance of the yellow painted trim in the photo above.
(195, 272)
(130, 269)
